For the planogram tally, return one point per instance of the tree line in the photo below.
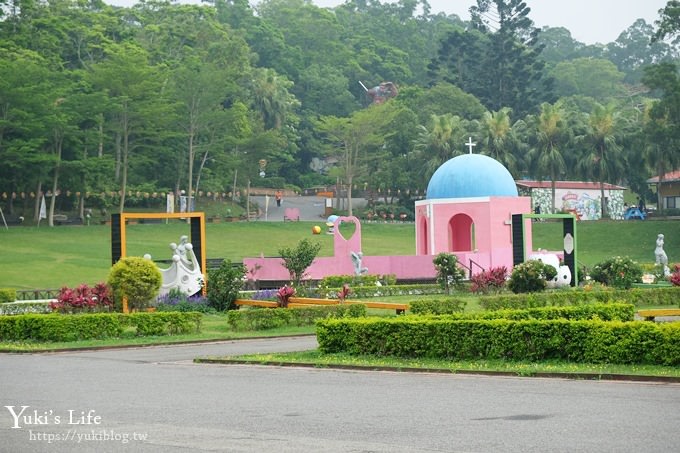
(166, 97)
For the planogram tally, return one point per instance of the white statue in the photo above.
(356, 261)
(660, 254)
(184, 273)
(563, 276)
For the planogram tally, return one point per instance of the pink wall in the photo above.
(492, 229)
(491, 217)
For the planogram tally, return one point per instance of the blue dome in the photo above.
(470, 176)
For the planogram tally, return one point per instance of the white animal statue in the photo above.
(563, 277)
(184, 274)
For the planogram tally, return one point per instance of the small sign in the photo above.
(568, 244)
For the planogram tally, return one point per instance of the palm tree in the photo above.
(546, 152)
(437, 144)
(601, 159)
(498, 138)
(272, 98)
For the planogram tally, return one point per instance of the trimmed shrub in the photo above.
(7, 295)
(137, 279)
(587, 341)
(619, 272)
(437, 306)
(269, 318)
(94, 326)
(635, 296)
(530, 276)
(167, 323)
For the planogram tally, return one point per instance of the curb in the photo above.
(574, 376)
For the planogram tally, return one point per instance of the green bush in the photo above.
(619, 272)
(57, 327)
(587, 341)
(437, 306)
(270, 318)
(137, 279)
(7, 295)
(449, 274)
(604, 312)
(224, 284)
(94, 326)
(165, 323)
(530, 276)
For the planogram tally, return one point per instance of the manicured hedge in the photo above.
(635, 296)
(18, 308)
(359, 292)
(603, 312)
(270, 318)
(437, 306)
(588, 341)
(90, 326)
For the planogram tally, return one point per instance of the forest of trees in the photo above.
(163, 96)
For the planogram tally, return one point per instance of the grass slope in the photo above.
(45, 257)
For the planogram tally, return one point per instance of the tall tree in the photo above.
(601, 159)
(139, 108)
(498, 138)
(662, 128)
(511, 68)
(357, 137)
(550, 137)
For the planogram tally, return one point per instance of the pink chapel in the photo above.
(467, 212)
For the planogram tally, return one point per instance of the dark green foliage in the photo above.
(91, 326)
(8, 295)
(618, 272)
(137, 279)
(168, 323)
(298, 259)
(268, 318)
(449, 274)
(530, 276)
(635, 296)
(437, 306)
(224, 284)
(587, 341)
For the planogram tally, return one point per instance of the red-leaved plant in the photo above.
(284, 294)
(491, 281)
(343, 293)
(83, 298)
(675, 276)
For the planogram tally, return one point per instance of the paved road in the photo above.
(311, 207)
(158, 394)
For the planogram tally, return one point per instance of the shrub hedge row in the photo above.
(603, 312)
(358, 292)
(270, 318)
(588, 341)
(18, 308)
(446, 306)
(635, 296)
(91, 326)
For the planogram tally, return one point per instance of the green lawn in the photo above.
(70, 255)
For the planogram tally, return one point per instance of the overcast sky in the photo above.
(589, 21)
